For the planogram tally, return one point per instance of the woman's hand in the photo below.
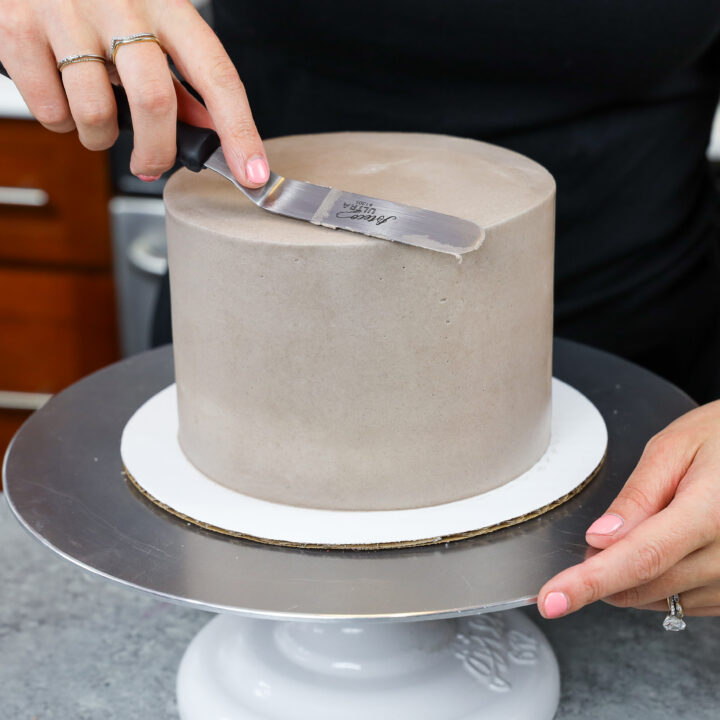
(661, 535)
(35, 34)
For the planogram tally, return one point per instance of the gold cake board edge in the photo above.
(398, 544)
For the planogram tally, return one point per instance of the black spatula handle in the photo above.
(194, 144)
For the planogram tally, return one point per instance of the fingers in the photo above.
(708, 595)
(92, 104)
(695, 576)
(190, 110)
(86, 84)
(703, 611)
(146, 77)
(642, 555)
(31, 64)
(691, 600)
(700, 604)
(202, 61)
(143, 70)
(648, 490)
(707, 611)
(713, 611)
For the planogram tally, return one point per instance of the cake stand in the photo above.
(410, 633)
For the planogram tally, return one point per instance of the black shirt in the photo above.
(615, 98)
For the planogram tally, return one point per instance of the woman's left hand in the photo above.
(661, 535)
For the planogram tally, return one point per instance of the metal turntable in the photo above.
(403, 633)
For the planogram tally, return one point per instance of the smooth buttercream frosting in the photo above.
(327, 369)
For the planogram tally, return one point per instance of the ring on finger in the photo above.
(674, 619)
(118, 42)
(81, 58)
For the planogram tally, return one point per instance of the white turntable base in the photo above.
(488, 667)
(153, 458)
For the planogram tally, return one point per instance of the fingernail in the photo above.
(606, 525)
(556, 604)
(149, 178)
(257, 170)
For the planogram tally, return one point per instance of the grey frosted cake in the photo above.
(326, 369)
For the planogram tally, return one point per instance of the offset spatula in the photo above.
(343, 210)
(199, 148)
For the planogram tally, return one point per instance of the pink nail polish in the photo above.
(149, 178)
(606, 525)
(257, 170)
(556, 604)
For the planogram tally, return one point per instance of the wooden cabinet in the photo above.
(62, 219)
(57, 315)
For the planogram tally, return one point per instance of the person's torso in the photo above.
(615, 98)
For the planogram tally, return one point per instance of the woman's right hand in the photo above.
(35, 34)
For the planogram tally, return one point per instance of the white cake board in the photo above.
(153, 459)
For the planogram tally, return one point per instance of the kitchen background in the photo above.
(82, 249)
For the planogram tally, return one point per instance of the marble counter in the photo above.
(73, 645)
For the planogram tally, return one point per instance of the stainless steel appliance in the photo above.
(137, 219)
(139, 263)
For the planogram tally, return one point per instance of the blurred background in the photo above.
(82, 251)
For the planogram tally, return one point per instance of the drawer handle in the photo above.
(149, 254)
(23, 197)
(22, 400)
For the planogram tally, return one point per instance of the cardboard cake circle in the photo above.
(156, 465)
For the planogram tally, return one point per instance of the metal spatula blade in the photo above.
(358, 213)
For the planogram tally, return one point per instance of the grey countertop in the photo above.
(75, 646)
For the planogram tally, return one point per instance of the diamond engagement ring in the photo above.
(118, 42)
(84, 57)
(674, 619)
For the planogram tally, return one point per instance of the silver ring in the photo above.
(85, 57)
(118, 42)
(674, 619)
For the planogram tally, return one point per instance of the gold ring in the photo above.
(118, 42)
(72, 59)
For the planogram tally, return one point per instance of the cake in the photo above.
(326, 369)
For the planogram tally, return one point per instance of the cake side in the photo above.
(322, 369)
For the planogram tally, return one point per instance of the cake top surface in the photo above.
(484, 183)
